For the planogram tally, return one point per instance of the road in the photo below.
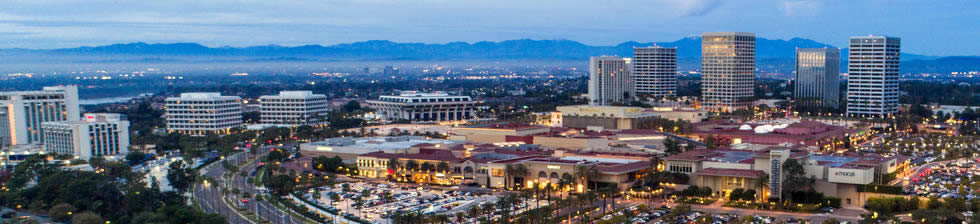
(266, 210)
(209, 196)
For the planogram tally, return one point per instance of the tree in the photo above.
(711, 142)
(61, 212)
(443, 166)
(412, 165)
(795, 177)
(748, 195)
(87, 217)
(671, 146)
(180, 176)
(736, 194)
(281, 184)
(352, 106)
(516, 171)
(135, 157)
(588, 174)
(427, 167)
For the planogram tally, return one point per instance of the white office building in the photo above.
(818, 76)
(294, 108)
(610, 80)
(872, 76)
(23, 112)
(727, 70)
(424, 107)
(655, 71)
(98, 134)
(203, 113)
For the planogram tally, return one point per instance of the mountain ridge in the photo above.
(771, 54)
(688, 47)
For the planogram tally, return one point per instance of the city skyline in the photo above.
(64, 24)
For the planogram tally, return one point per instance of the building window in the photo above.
(681, 168)
(498, 172)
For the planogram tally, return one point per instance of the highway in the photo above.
(208, 195)
(261, 207)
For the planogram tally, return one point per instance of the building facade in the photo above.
(294, 108)
(203, 113)
(610, 80)
(655, 71)
(98, 134)
(607, 117)
(727, 70)
(872, 76)
(818, 76)
(23, 112)
(835, 175)
(424, 107)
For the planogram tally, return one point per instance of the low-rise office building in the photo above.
(23, 112)
(294, 108)
(424, 107)
(203, 113)
(98, 134)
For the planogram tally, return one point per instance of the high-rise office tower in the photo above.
(22, 112)
(872, 76)
(203, 113)
(98, 134)
(727, 70)
(610, 80)
(294, 108)
(655, 71)
(818, 76)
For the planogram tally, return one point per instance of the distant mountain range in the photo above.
(769, 52)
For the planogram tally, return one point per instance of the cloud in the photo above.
(804, 8)
(692, 7)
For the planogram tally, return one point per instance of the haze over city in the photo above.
(489, 112)
(938, 28)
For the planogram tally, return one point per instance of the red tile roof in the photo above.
(619, 168)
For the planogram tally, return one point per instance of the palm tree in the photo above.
(443, 166)
(474, 211)
(412, 165)
(441, 218)
(516, 170)
(427, 167)
(763, 184)
(393, 165)
(488, 210)
(587, 174)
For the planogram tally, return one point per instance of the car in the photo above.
(245, 200)
(827, 209)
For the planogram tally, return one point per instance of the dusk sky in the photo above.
(942, 28)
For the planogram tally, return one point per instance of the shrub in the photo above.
(60, 212)
(736, 194)
(748, 195)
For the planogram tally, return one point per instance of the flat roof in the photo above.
(375, 144)
(730, 172)
(506, 126)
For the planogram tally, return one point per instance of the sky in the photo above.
(930, 27)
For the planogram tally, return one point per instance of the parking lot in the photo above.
(960, 178)
(378, 201)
